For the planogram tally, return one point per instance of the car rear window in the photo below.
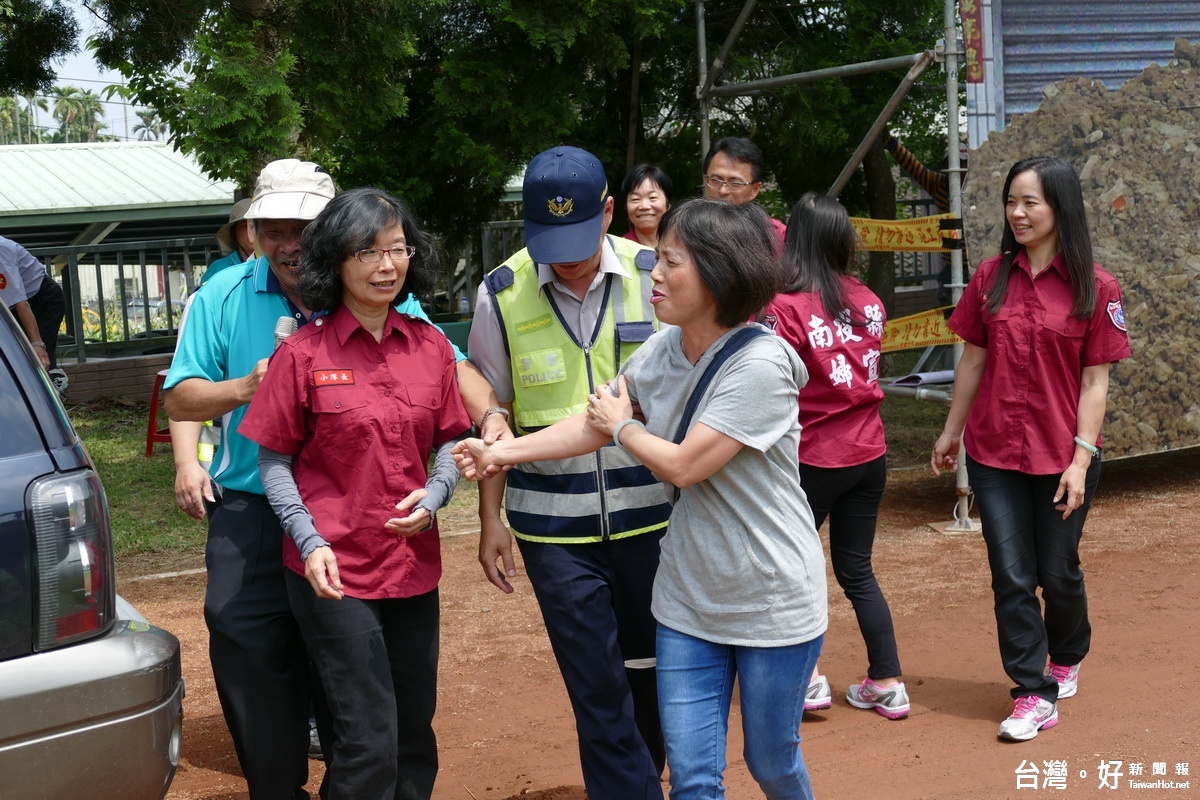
(19, 433)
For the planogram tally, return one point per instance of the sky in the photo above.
(82, 71)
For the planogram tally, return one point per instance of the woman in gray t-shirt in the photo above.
(740, 592)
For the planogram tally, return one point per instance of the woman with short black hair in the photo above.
(647, 189)
(347, 415)
(740, 591)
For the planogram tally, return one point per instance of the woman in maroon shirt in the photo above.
(835, 323)
(346, 417)
(1042, 325)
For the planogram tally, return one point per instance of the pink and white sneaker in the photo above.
(1067, 677)
(1030, 715)
(891, 702)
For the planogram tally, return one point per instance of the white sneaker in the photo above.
(819, 696)
(1030, 715)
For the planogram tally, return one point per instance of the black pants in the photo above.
(595, 600)
(377, 660)
(850, 497)
(258, 658)
(49, 306)
(1030, 545)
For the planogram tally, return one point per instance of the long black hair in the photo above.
(732, 248)
(1060, 187)
(818, 250)
(351, 222)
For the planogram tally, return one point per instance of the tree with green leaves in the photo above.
(443, 101)
(151, 127)
(807, 132)
(243, 82)
(33, 35)
(18, 124)
(10, 119)
(493, 82)
(67, 102)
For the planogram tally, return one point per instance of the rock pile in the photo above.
(1137, 152)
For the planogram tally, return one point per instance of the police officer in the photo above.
(553, 323)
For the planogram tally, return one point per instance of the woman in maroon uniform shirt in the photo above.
(1042, 325)
(836, 323)
(346, 417)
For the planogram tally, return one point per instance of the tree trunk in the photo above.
(881, 203)
(635, 107)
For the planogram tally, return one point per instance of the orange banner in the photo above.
(920, 235)
(918, 330)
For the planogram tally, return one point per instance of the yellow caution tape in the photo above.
(920, 235)
(918, 330)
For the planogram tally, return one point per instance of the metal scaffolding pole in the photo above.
(922, 61)
(962, 521)
(844, 71)
(702, 65)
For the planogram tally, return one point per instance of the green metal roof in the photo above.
(73, 186)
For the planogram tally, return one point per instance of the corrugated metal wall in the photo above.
(1110, 40)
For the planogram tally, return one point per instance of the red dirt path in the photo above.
(506, 732)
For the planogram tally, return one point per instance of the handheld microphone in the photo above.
(284, 327)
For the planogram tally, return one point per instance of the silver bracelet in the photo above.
(620, 426)
(494, 410)
(39, 344)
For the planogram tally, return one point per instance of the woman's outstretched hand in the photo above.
(473, 457)
(606, 411)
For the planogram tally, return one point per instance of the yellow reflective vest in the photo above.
(605, 495)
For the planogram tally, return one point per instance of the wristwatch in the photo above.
(494, 410)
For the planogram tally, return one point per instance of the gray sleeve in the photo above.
(275, 471)
(442, 480)
(485, 345)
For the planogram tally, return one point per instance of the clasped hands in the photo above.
(606, 408)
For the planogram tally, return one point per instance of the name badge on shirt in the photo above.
(333, 377)
(532, 325)
(541, 367)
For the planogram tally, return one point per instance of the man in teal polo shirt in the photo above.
(257, 654)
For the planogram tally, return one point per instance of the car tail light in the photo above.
(73, 538)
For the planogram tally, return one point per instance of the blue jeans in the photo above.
(695, 686)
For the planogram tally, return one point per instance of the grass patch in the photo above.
(141, 491)
(911, 425)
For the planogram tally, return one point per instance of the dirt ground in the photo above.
(506, 732)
